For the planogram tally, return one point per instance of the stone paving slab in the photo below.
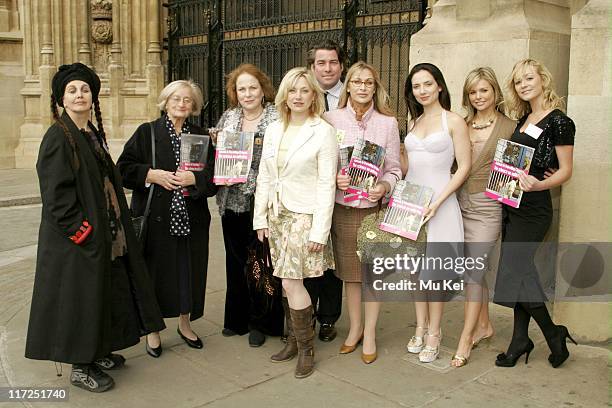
(478, 395)
(18, 187)
(19, 226)
(318, 390)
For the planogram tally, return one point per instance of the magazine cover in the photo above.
(352, 200)
(194, 149)
(364, 168)
(233, 157)
(404, 214)
(510, 160)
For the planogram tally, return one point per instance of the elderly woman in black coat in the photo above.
(91, 293)
(176, 241)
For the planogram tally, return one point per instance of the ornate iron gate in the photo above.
(208, 38)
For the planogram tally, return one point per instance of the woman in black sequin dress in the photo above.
(543, 126)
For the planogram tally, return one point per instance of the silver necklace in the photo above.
(255, 118)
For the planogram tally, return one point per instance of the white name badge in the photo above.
(533, 131)
(340, 136)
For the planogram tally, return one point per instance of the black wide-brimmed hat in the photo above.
(74, 72)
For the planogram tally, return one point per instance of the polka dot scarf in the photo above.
(179, 219)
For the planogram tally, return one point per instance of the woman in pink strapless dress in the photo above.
(437, 137)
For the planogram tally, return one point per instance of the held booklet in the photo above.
(233, 156)
(364, 169)
(404, 214)
(194, 150)
(345, 158)
(509, 161)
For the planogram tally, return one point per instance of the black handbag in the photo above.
(140, 223)
(259, 273)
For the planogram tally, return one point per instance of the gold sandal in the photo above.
(460, 360)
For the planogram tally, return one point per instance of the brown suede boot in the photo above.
(304, 334)
(290, 350)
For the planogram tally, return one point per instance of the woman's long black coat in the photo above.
(82, 307)
(160, 247)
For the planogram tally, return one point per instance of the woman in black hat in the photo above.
(91, 293)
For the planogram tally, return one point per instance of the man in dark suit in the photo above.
(326, 60)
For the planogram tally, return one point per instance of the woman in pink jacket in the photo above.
(363, 113)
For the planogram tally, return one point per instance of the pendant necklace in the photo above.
(483, 125)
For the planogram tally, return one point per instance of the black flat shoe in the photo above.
(228, 332)
(327, 332)
(197, 343)
(256, 338)
(509, 359)
(153, 352)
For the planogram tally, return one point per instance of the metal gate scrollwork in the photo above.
(209, 38)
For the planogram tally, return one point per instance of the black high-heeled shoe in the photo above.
(510, 359)
(558, 346)
(153, 351)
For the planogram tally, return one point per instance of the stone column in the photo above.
(14, 15)
(462, 35)
(83, 29)
(155, 71)
(11, 81)
(116, 74)
(40, 68)
(585, 202)
(47, 68)
(5, 16)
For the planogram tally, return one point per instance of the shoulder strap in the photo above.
(152, 143)
(148, 206)
(444, 121)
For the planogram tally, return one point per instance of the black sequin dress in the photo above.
(524, 228)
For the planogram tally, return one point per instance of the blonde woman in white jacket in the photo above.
(294, 202)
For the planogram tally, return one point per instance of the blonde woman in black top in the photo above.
(543, 126)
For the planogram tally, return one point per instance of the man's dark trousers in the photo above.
(326, 296)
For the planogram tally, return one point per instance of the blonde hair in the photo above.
(517, 108)
(289, 80)
(472, 78)
(380, 97)
(172, 87)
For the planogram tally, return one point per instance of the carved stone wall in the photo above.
(585, 202)
(120, 39)
(11, 80)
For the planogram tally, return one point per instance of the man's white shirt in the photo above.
(333, 96)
